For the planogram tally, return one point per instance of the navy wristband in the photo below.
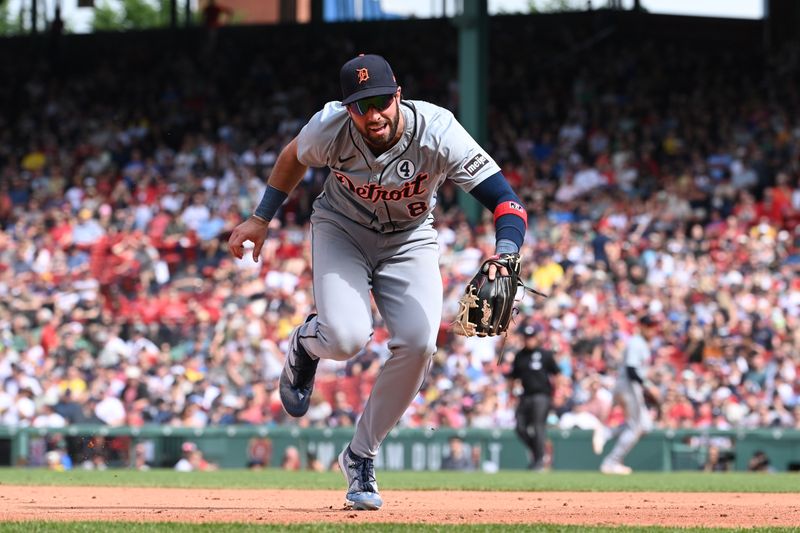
(270, 203)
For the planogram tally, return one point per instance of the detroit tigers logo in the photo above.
(375, 193)
(363, 75)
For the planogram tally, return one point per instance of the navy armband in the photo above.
(510, 216)
(270, 203)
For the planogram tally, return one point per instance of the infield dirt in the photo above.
(426, 507)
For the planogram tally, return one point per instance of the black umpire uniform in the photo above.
(533, 366)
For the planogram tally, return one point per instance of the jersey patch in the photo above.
(406, 169)
(475, 164)
(511, 208)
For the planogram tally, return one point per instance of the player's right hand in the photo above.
(254, 230)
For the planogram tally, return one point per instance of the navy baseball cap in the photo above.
(532, 330)
(365, 76)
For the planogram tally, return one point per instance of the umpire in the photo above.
(533, 366)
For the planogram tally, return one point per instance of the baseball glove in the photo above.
(487, 306)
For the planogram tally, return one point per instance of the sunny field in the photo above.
(24, 480)
(512, 480)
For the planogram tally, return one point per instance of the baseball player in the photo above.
(629, 392)
(372, 231)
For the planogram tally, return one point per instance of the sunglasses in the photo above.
(380, 103)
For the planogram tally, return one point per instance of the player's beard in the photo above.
(383, 139)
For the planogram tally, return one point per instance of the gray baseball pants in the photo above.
(402, 271)
(637, 419)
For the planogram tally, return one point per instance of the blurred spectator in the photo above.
(54, 460)
(716, 461)
(48, 417)
(759, 462)
(142, 456)
(458, 457)
(110, 410)
(291, 459)
(192, 459)
(259, 453)
(312, 463)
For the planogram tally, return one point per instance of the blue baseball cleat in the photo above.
(362, 489)
(297, 378)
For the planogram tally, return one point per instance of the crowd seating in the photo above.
(659, 178)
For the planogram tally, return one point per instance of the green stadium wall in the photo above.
(416, 449)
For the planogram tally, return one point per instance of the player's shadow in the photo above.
(159, 509)
(139, 508)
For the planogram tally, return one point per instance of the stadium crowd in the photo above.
(120, 305)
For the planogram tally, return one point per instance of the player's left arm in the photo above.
(475, 172)
(510, 216)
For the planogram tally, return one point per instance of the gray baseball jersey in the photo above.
(397, 189)
(636, 355)
(372, 233)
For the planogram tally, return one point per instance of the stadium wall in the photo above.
(406, 449)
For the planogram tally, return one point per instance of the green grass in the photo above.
(506, 480)
(114, 527)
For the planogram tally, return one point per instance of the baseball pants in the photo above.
(637, 419)
(402, 272)
(532, 424)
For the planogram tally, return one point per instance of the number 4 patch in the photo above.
(406, 169)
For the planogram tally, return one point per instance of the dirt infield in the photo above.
(431, 507)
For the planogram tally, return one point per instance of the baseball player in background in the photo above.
(372, 231)
(629, 393)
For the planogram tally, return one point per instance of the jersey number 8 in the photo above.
(415, 209)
